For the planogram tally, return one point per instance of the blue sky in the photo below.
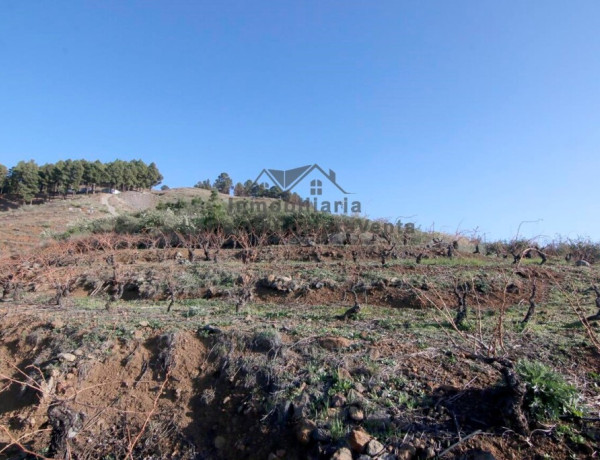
(463, 115)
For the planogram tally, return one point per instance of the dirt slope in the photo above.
(24, 227)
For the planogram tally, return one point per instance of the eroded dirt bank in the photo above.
(83, 387)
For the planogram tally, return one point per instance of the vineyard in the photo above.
(177, 329)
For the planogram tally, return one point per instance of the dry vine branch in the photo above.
(575, 305)
(486, 350)
(18, 442)
(148, 417)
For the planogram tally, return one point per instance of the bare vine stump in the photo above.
(531, 310)
(596, 317)
(65, 424)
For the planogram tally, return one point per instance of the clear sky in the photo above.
(461, 114)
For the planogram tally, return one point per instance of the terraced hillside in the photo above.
(145, 344)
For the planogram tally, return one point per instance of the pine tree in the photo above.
(115, 172)
(58, 176)
(153, 175)
(204, 184)
(24, 180)
(239, 190)
(73, 174)
(94, 174)
(45, 173)
(223, 183)
(3, 177)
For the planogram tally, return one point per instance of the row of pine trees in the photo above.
(224, 184)
(27, 180)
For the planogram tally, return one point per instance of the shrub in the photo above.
(266, 341)
(496, 247)
(127, 224)
(548, 394)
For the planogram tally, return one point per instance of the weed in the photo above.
(315, 372)
(192, 311)
(155, 324)
(548, 394)
(277, 314)
(339, 430)
(594, 376)
(570, 433)
(405, 399)
(339, 385)
(452, 358)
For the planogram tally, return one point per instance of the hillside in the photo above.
(287, 343)
(25, 226)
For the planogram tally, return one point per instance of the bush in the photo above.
(127, 223)
(548, 394)
(496, 248)
(266, 341)
(580, 248)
